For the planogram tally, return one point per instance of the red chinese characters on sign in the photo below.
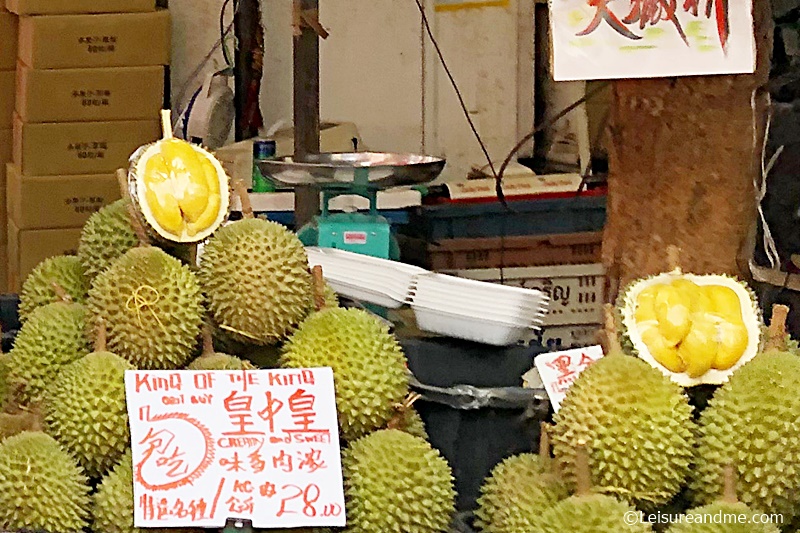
(568, 368)
(643, 13)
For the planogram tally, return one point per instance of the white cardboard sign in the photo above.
(559, 370)
(259, 445)
(618, 39)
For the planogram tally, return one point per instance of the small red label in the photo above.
(355, 237)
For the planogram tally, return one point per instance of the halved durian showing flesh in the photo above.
(180, 189)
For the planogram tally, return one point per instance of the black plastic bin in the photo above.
(474, 407)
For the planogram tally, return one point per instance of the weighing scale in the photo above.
(352, 173)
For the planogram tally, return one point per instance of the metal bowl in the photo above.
(381, 169)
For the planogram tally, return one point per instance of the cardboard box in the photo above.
(6, 145)
(78, 147)
(3, 208)
(7, 83)
(95, 41)
(8, 40)
(85, 95)
(4, 269)
(28, 248)
(48, 202)
(60, 7)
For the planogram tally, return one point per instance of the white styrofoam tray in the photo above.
(477, 329)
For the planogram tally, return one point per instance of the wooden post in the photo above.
(683, 158)
(306, 108)
(249, 68)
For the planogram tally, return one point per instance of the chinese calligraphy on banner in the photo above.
(257, 445)
(560, 369)
(616, 39)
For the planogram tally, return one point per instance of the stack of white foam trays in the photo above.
(444, 305)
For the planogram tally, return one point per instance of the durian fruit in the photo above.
(54, 335)
(413, 424)
(152, 307)
(105, 237)
(41, 487)
(180, 189)
(16, 418)
(735, 517)
(255, 275)
(211, 360)
(113, 503)
(368, 365)
(85, 408)
(753, 422)
(639, 421)
(519, 490)
(588, 511)
(695, 329)
(5, 368)
(397, 483)
(41, 286)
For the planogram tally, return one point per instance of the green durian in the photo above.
(41, 487)
(38, 290)
(413, 424)
(106, 236)
(753, 422)
(639, 421)
(112, 509)
(152, 307)
(255, 275)
(211, 360)
(5, 368)
(86, 412)
(368, 365)
(397, 483)
(54, 335)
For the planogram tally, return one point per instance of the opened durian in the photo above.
(397, 483)
(54, 335)
(179, 188)
(41, 487)
(640, 424)
(85, 408)
(588, 511)
(695, 329)
(152, 307)
(753, 422)
(368, 365)
(41, 287)
(519, 490)
(105, 237)
(727, 515)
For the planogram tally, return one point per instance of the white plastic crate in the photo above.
(577, 292)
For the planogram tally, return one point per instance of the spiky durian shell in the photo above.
(413, 424)
(397, 483)
(37, 291)
(740, 520)
(112, 510)
(86, 412)
(106, 236)
(518, 490)
(255, 275)
(54, 335)
(5, 368)
(753, 422)
(368, 365)
(595, 513)
(41, 487)
(220, 361)
(152, 307)
(640, 426)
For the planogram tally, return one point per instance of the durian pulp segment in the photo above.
(182, 190)
(694, 328)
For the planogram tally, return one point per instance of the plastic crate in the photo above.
(574, 214)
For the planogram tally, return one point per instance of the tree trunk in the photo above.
(683, 158)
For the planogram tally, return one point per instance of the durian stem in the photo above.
(208, 340)
(61, 293)
(673, 258)
(398, 420)
(141, 234)
(319, 287)
(612, 341)
(583, 475)
(166, 123)
(776, 338)
(729, 485)
(244, 198)
(544, 446)
(101, 338)
(37, 418)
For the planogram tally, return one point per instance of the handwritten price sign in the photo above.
(259, 445)
(560, 369)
